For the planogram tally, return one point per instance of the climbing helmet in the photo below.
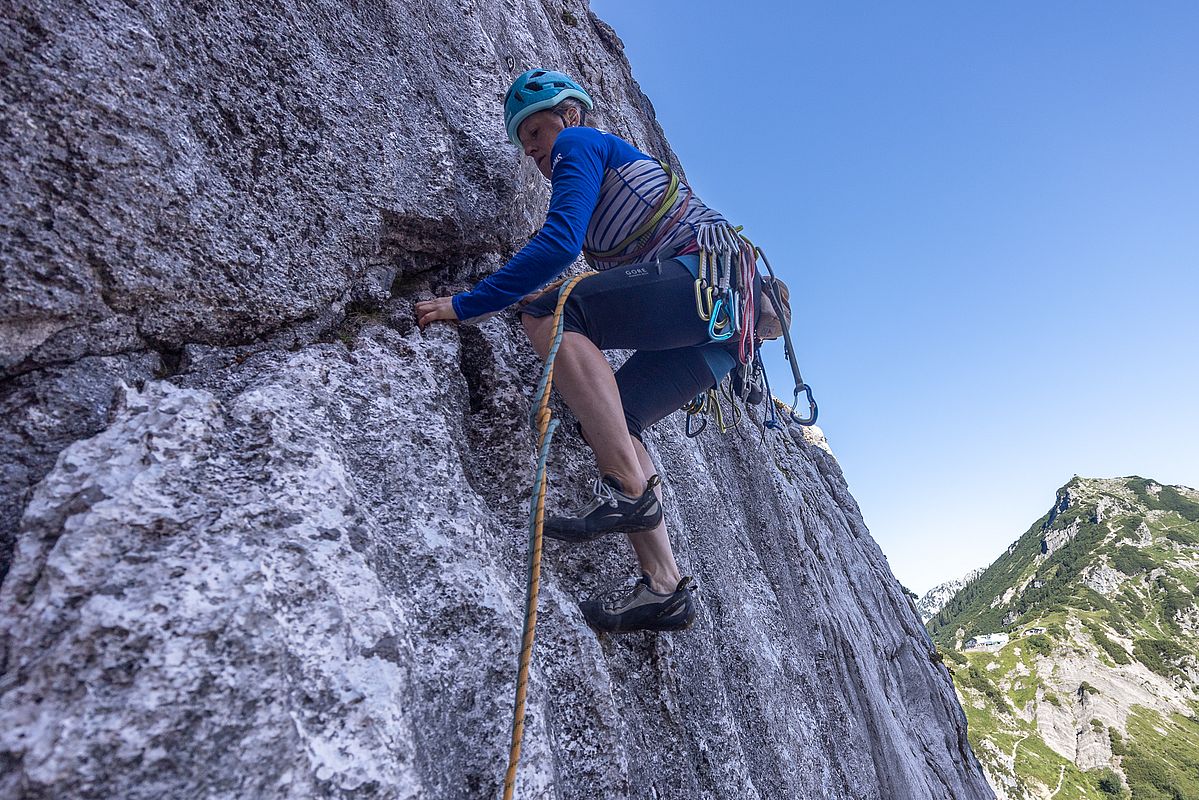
(537, 90)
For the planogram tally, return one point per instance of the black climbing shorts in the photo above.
(649, 308)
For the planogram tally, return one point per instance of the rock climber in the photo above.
(638, 225)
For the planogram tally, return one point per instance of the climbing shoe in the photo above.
(633, 606)
(609, 511)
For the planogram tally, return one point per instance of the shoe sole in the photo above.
(647, 629)
(673, 628)
(664, 628)
(581, 538)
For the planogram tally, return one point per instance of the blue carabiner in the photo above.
(712, 325)
(813, 410)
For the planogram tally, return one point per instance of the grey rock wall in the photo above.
(263, 538)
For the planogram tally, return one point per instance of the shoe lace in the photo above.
(603, 492)
(616, 595)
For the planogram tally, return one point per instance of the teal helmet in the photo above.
(537, 90)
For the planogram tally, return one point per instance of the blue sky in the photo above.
(989, 213)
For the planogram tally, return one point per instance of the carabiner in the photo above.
(813, 410)
(719, 412)
(710, 293)
(714, 324)
(704, 312)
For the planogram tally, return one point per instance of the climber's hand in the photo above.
(432, 310)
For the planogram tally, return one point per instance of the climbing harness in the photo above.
(724, 299)
(541, 418)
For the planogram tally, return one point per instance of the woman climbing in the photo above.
(638, 225)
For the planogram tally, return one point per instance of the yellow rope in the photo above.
(545, 430)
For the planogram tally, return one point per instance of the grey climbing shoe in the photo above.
(611, 510)
(633, 606)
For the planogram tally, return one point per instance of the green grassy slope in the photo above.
(1111, 573)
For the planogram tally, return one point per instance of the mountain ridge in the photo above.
(935, 598)
(1096, 692)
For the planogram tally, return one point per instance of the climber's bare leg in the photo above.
(653, 546)
(584, 379)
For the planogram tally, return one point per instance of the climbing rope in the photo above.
(541, 419)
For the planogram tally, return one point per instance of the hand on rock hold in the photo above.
(432, 310)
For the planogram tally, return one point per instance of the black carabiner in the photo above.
(789, 350)
(703, 423)
(811, 420)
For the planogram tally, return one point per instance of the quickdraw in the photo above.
(789, 349)
(723, 296)
(724, 299)
(747, 346)
(703, 300)
(707, 404)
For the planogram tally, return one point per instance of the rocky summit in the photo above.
(263, 538)
(1076, 653)
(932, 601)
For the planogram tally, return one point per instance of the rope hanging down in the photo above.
(542, 420)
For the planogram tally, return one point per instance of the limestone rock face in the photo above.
(177, 177)
(267, 539)
(1056, 538)
(1103, 579)
(1066, 727)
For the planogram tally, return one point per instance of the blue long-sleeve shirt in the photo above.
(580, 158)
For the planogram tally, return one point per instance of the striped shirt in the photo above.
(629, 197)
